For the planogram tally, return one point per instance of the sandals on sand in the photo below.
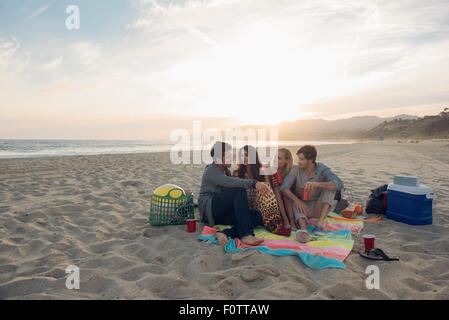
(376, 254)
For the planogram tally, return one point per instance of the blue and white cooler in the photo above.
(409, 201)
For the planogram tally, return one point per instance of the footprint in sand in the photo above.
(22, 287)
(259, 273)
(417, 285)
(132, 183)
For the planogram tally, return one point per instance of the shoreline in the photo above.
(317, 143)
(283, 144)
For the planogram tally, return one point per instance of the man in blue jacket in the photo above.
(319, 181)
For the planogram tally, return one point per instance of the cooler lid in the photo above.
(420, 190)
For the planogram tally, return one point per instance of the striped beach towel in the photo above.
(329, 248)
(327, 251)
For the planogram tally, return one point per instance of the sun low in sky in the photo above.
(138, 69)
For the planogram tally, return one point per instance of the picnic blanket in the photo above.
(329, 249)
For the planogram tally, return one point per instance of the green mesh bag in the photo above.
(170, 205)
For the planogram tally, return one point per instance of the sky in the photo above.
(137, 69)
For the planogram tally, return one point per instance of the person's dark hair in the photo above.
(219, 149)
(309, 152)
(253, 166)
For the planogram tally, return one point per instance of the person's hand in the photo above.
(309, 186)
(302, 207)
(262, 188)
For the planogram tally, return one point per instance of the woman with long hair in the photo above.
(270, 205)
(285, 164)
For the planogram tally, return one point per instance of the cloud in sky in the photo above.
(87, 52)
(250, 60)
(53, 64)
(9, 45)
(190, 28)
(14, 61)
(140, 24)
(39, 11)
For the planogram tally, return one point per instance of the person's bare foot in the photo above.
(222, 238)
(252, 241)
(303, 237)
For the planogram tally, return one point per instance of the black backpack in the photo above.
(375, 203)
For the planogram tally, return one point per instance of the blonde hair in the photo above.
(289, 158)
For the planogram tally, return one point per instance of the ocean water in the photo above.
(49, 148)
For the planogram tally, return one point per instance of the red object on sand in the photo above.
(358, 209)
(305, 194)
(191, 225)
(368, 240)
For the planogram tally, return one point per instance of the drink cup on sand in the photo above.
(191, 225)
(368, 240)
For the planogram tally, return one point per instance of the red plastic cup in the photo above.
(278, 177)
(305, 194)
(368, 240)
(191, 225)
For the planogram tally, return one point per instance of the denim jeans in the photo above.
(231, 207)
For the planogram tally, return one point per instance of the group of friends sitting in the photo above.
(253, 196)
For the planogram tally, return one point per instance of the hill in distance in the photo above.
(341, 129)
(428, 127)
(366, 128)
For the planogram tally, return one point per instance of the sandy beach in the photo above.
(92, 212)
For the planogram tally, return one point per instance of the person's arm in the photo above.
(296, 201)
(331, 181)
(288, 183)
(280, 202)
(321, 185)
(289, 179)
(289, 194)
(285, 190)
(271, 181)
(219, 178)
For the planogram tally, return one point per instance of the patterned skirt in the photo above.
(268, 207)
